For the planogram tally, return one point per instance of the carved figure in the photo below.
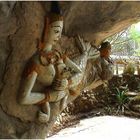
(50, 68)
(103, 67)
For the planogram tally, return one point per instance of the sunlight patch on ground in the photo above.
(102, 128)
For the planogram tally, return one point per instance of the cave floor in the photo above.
(101, 128)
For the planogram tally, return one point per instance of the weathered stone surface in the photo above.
(96, 20)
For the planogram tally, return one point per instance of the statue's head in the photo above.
(105, 49)
(55, 23)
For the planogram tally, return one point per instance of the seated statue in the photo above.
(103, 67)
(49, 68)
(104, 63)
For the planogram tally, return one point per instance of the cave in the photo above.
(21, 26)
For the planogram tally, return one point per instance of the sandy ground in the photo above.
(102, 128)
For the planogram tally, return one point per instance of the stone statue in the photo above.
(104, 62)
(49, 68)
(103, 67)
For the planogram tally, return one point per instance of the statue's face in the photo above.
(55, 32)
(109, 52)
(105, 52)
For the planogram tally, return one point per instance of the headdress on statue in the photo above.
(55, 12)
(105, 46)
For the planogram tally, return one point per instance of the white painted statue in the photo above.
(50, 68)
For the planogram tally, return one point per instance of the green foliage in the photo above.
(121, 96)
(135, 35)
(126, 42)
(135, 32)
(137, 52)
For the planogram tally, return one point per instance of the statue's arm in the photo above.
(27, 97)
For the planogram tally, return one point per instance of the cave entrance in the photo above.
(126, 49)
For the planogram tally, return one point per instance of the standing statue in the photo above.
(49, 68)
